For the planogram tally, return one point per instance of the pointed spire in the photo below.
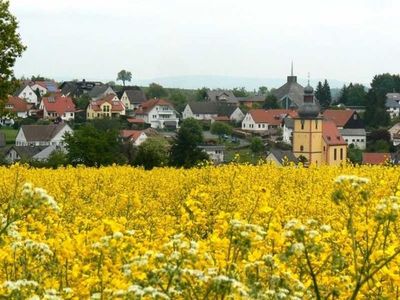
(308, 77)
(292, 69)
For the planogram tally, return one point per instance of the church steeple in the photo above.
(292, 78)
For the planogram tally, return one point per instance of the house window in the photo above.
(334, 154)
(302, 124)
(244, 125)
(301, 148)
(316, 124)
(259, 125)
(341, 153)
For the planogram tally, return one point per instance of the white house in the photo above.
(42, 135)
(287, 132)
(26, 93)
(136, 137)
(133, 98)
(159, 113)
(355, 136)
(393, 104)
(216, 153)
(263, 120)
(41, 153)
(395, 134)
(100, 91)
(212, 110)
(58, 107)
(42, 90)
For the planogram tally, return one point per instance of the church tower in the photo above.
(307, 132)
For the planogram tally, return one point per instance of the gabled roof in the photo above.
(284, 155)
(214, 96)
(271, 116)
(292, 90)
(18, 104)
(20, 89)
(148, 105)
(98, 90)
(353, 131)
(393, 96)
(58, 104)
(375, 158)
(115, 105)
(255, 98)
(131, 134)
(49, 85)
(45, 133)
(136, 96)
(212, 108)
(135, 121)
(339, 117)
(331, 134)
(27, 152)
(390, 103)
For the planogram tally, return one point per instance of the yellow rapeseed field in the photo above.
(230, 232)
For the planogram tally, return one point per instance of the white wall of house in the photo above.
(126, 102)
(57, 140)
(160, 114)
(237, 115)
(358, 141)
(249, 124)
(393, 112)
(142, 137)
(28, 95)
(287, 134)
(12, 156)
(42, 90)
(187, 113)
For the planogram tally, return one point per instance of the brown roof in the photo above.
(147, 106)
(271, 116)
(340, 117)
(331, 134)
(115, 105)
(130, 134)
(34, 133)
(17, 104)
(375, 158)
(58, 104)
(135, 121)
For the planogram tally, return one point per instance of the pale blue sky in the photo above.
(94, 39)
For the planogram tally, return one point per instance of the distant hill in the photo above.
(227, 82)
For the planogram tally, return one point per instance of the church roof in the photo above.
(331, 134)
(292, 90)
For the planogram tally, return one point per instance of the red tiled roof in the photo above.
(135, 121)
(18, 104)
(147, 106)
(130, 134)
(271, 116)
(58, 104)
(375, 158)
(340, 117)
(115, 105)
(331, 134)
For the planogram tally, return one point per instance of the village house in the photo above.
(37, 86)
(132, 98)
(18, 106)
(281, 157)
(25, 92)
(215, 152)
(222, 96)
(55, 107)
(107, 107)
(159, 113)
(395, 134)
(76, 89)
(259, 120)
(371, 158)
(136, 137)
(212, 111)
(255, 101)
(393, 104)
(350, 125)
(287, 130)
(100, 91)
(315, 139)
(42, 135)
(29, 153)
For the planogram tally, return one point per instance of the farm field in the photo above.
(229, 232)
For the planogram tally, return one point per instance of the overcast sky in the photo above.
(341, 39)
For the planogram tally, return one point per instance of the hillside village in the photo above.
(296, 128)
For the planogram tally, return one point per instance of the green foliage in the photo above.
(220, 128)
(179, 100)
(263, 90)
(385, 83)
(152, 153)
(240, 92)
(375, 115)
(156, 91)
(10, 134)
(201, 94)
(93, 147)
(354, 155)
(353, 95)
(57, 159)
(257, 145)
(379, 141)
(271, 102)
(323, 93)
(11, 48)
(124, 76)
(185, 152)
(83, 101)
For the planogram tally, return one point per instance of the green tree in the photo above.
(93, 147)
(240, 92)
(323, 93)
(179, 100)
(257, 145)
(201, 94)
(185, 152)
(156, 91)
(123, 76)
(385, 83)
(152, 153)
(271, 102)
(375, 115)
(354, 154)
(353, 95)
(11, 48)
(57, 159)
(83, 101)
(263, 90)
(220, 128)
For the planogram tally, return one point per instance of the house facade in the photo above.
(42, 135)
(395, 134)
(28, 153)
(133, 98)
(39, 87)
(58, 107)
(215, 153)
(101, 91)
(18, 106)
(210, 111)
(259, 120)
(136, 137)
(393, 104)
(25, 92)
(159, 113)
(222, 96)
(108, 107)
